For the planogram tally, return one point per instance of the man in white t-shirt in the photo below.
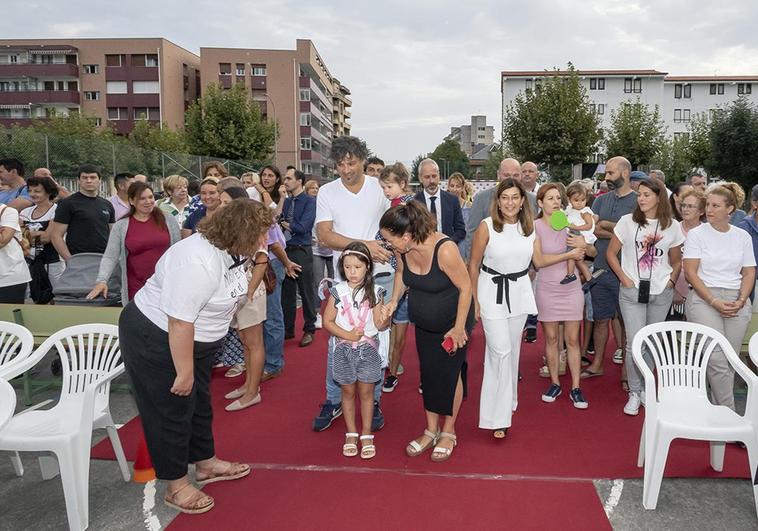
(349, 209)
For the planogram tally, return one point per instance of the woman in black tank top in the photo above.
(439, 303)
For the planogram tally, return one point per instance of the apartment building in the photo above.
(679, 98)
(473, 136)
(296, 90)
(116, 81)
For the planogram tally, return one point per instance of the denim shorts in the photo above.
(605, 296)
(401, 312)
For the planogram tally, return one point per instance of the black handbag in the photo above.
(40, 288)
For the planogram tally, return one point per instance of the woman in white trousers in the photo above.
(499, 268)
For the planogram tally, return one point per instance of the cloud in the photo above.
(416, 69)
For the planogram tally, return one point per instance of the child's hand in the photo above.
(355, 334)
(386, 310)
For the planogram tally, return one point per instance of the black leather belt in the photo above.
(502, 282)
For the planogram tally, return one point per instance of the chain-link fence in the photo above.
(63, 155)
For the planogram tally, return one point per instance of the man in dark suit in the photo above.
(443, 205)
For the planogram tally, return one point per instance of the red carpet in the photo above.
(314, 500)
(546, 440)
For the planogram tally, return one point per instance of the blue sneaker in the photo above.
(553, 392)
(377, 423)
(326, 416)
(578, 399)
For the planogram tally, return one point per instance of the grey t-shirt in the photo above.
(610, 207)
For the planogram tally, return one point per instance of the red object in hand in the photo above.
(449, 345)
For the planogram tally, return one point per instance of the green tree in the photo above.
(415, 165)
(635, 132)
(450, 158)
(147, 135)
(673, 159)
(734, 137)
(228, 124)
(553, 123)
(699, 144)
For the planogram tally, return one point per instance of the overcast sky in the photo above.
(416, 68)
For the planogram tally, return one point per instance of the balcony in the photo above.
(8, 122)
(316, 93)
(131, 73)
(39, 70)
(258, 82)
(24, 97)
(225, 80)
(133, 100)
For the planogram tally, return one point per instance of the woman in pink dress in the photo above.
(558, 302)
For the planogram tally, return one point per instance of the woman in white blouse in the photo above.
(499, 269)
(720, 266)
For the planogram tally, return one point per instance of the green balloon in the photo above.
(559, 220)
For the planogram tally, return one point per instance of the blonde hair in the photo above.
(172, 182)
(256, 178)
(309, 184)
(732, 193)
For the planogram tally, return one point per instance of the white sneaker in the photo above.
(632, 406)
(318, 324)
(618, 357)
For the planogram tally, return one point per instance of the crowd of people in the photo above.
(211, 275)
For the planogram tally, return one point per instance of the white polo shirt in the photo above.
(194, 282)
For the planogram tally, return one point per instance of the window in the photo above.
(593, 108)
(717, 88)
(91, 69)
(146, 113)
(115, 87)
(685, 115)
(93, 95)
(115, 60)
(151, 60)
(73, 85)
(683, 136)
(118, 113)
(305, 118)
(305, 143)
(688, 91)
(677, 115)
(225, 69)
(259, 70)
(593, 83)
(601, 108)
(628, 84)
(307, 168)
(98, 122)
(146, 87)
(637, 85)
(744, 88)
(678, 90)
(13, 59)
(305, 94)
(239, 69)
(528, 84)
(601, 83)
(141, 59)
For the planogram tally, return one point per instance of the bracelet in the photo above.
(261, 263)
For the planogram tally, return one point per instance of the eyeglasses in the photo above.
(685, 206)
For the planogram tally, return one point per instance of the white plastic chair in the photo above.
(91, 359)
(679, 407)
(16, 346)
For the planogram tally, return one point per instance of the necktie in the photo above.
(433, 207)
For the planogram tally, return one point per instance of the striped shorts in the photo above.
(362, 363)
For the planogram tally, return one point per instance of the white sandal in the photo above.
(235, 370)
(350, 449)
(414, 448)
(441, 453)
(367, 450)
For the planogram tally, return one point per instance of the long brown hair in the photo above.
(360, 251)
(544, 189)
(133, 193)
(525, 216)
(662, 211)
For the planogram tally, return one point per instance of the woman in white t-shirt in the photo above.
(720, 266)
(169, 335)
(14, 273)
(36, 219)
(650, 241)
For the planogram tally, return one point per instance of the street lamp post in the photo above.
(447, 168)
(276, 132)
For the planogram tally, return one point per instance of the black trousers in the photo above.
(177, 428)
(13, 294)
(303, 256)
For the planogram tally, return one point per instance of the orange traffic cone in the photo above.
(143, 465)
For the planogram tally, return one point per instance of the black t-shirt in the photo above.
(88, 220)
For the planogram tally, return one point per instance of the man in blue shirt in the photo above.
(298, 216)
(12, 176)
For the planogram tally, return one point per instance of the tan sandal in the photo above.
(350, 449)
(415, 448)
(545, 372)
(367, 450)
(440, 453)
(233, 471)
(198, 503)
